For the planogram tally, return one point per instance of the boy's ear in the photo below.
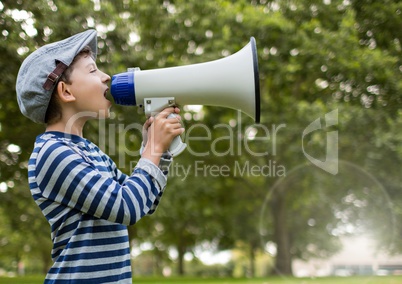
(63, 92)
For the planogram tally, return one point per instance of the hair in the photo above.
(53, 112)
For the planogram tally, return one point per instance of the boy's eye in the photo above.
(94, 70)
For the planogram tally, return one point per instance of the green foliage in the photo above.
(314, 57)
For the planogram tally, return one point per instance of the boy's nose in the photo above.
(105, 77)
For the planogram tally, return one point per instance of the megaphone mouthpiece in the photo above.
(122, 89)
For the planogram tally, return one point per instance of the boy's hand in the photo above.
(158, 133)
(145, 127)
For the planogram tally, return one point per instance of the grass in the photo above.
(270, 280)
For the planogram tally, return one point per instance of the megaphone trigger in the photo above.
(153, 106)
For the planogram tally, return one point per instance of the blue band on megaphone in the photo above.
(122, 89)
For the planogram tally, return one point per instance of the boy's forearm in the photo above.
(152, 154)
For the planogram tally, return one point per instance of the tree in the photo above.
(312, 55)
(25, 26)
(324, 59)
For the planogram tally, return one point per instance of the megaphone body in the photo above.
(231, 82)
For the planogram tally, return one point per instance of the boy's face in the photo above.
(89, 86)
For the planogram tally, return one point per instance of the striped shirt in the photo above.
(89, 203)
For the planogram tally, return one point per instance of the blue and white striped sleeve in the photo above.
(64, 176)
(164, 165)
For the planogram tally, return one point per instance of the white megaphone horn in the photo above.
(231, 82)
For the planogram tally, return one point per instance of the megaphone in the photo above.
(231, 82)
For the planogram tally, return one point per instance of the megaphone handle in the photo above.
(177, 146)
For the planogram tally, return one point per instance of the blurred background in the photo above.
(244, 200)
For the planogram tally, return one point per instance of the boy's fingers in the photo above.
(167, 111)
(148, 123)
(174, 118)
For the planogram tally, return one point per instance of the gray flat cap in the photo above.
(41, 70)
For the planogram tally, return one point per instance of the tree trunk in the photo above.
(181, 251)
(252, 261)
(283, 260)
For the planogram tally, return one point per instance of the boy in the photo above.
(87, 201)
